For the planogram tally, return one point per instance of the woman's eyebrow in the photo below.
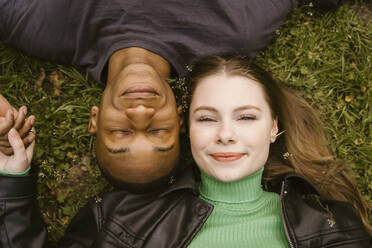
(205, 108)
(247, 107)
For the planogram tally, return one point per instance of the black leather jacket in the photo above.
(171, 218)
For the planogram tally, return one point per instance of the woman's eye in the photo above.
(247, 118)
(206, 119)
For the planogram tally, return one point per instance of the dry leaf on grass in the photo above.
(349, 98)
(40, 80)
(54, 78)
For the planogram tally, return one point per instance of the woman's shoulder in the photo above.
(311, 219)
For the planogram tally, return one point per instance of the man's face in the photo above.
(137, 126)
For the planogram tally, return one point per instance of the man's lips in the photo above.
(226, 157)
(140, 90)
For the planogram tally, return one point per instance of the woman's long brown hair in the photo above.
(303, 149)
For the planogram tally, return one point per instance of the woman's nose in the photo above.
(226, 134)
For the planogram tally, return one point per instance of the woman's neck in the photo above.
(245, 190)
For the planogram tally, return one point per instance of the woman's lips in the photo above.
(226, 157)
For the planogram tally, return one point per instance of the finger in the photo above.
(29, 138)
(6, 124)
(4, 140)
(15, 113)
(25, 129)
(4, 143)
(4, 106)
(4, 137)
(6, 150)
(30, 151)
(20, 161)
(20, 118)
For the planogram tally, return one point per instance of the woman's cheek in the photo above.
(255, 135)
(199, 136)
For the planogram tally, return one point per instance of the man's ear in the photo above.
(181, 119)
(274, 130)
(93, 120)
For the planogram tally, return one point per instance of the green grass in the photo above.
(327, 57)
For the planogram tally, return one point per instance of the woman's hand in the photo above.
(21, 159)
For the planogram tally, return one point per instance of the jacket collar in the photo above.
(184, 180)
(302, 185)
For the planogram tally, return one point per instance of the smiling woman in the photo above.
(235, 115)
(230, 132)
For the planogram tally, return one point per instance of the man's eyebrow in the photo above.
(118, 150)
(163, 149)
(126, 149)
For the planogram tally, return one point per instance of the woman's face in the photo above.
(231, 127)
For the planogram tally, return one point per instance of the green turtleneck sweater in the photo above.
(244, 215)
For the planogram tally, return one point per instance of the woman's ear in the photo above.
(274, 130)
(93, 120)
(181, 119)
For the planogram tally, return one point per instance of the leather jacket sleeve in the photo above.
(21, 223)
(19, 211)
(84, 227)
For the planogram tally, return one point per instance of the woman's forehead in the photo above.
(222, 90)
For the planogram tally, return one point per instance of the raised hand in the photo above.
(21, 159)
(18, 121)
(22, 124)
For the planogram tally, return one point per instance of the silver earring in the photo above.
(277, 135)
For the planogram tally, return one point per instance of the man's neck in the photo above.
(135, 55)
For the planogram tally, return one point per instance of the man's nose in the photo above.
(226, 134)
(140, 115)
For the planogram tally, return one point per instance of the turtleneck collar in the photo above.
(245, 190)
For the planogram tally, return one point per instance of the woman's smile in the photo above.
(226, 157)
